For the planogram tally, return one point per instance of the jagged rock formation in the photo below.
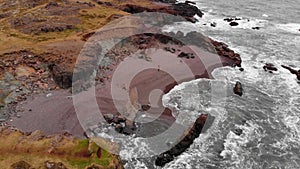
(293, 71)
(185, 143)
(238, 89)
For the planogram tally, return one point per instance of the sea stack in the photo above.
(238, 89)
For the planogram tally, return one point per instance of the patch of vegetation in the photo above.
(36, 149)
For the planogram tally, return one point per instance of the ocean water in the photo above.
(268, 114)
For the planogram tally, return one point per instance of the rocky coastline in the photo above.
(37, 64)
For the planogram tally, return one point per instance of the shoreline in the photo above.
(52, 110)
(58, 106)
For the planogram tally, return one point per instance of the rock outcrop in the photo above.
(223, 50)
(270, 67)
(186, 10)
(185, 143)
(121, 124)
(293, 71)
(233, 23)
(238, 89)
(62, 78)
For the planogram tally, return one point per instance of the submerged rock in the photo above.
(214, 24)
(238, 89)
(256, 28)
(270, 67)
(234, 24)
(238, 132)
(229, 19)
(232, 19)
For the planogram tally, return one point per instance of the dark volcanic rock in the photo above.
(190, 2)
(192, 19)
(223, 50)
(86, 36)
(214, 24)
(187, 10)
(167, 1)
(169, 49)
(229, 19)
(234, 24)
(119, 128)
(293, 71)
(131, 8)
(185, 143)
(255, 28)
(186, 55)
(270, 66)
(61, 77)
(121, 119)
(100, 2)
(121, 124)
(232, 19)
(130, 127)
(238, 132)
(238, 89)
(109, 117)
(146, 107)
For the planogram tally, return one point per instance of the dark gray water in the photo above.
(269, 112)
